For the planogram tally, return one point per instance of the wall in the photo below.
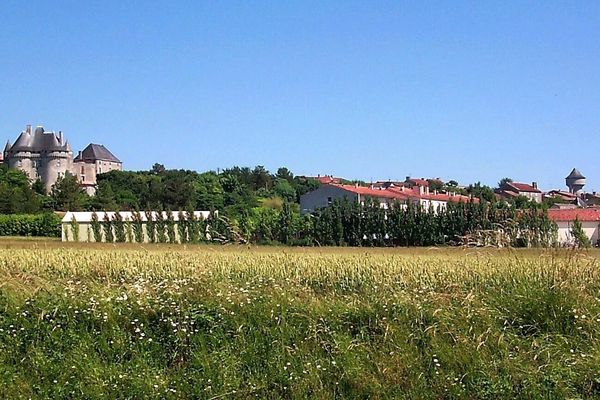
(589, 228)
(319, 198)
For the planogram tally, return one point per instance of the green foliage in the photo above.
(74, 229)
(67, 195)
(45, 225)
(138, 227)
(151, 227)
(96, 227)
(273, 324)
(161, 225)
(107, 227)
(183, 227)
(580, 239)
(16, 194)
(170, 227)
(129, 230)
(119, 228)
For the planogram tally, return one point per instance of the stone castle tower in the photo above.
(47, 156)
(42, 155)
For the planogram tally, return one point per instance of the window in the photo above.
(100, 170)
(19, 163)
(58, 163)
(82, 170)
(82, 178)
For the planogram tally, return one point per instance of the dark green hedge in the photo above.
(30, 225)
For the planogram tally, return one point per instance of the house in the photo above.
(565, 197)
(510, 190)
(47, 156)
(93, 160)
(564, 218)
(325, 195)
(84, 231)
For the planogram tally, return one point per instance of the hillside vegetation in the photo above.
(124, 321)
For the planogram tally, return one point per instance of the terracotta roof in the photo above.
(399, 194)
(523, 187)
(367, 191)
(561, 193)
(582, 214)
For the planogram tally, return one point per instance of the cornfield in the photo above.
(159, 321)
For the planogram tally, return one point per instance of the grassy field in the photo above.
(131, 321)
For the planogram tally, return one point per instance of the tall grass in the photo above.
(119, 322)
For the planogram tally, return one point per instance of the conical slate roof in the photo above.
(96, 152)
(38, 141)
(575, 174)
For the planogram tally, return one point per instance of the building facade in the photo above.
(565, 218)
(47, 156)
(326, 194)
(511, 190)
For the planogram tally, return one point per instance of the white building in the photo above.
(385, 196)
(564, 218)
(515, 189)
(84, 230)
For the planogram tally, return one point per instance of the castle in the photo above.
(47, 156)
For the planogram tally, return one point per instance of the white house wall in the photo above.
(322, 197)
(566, 238)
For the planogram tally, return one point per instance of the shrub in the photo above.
(48, 225)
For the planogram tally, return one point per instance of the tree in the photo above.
(284, 173)
(261, 178)
(504, 181)
(158, 169)
(580, 239)
(482, 192)
(284, 190)
(67, 194)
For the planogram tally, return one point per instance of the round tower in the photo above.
(575, 181)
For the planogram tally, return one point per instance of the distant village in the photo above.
(567, 205)
(47, 156)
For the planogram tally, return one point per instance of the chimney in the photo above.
(426, 189)
(407, 178)
(421, 190)
(28, 129)
(80, 154)
(534, 184)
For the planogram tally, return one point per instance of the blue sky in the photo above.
(472, 91)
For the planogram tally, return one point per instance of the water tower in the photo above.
(575, 181)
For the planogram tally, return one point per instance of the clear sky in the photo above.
(471, 91)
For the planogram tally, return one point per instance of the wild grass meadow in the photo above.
(207, 322)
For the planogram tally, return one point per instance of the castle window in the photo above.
(82, 178)
(58, 163)
(19, 163)
(82, 170)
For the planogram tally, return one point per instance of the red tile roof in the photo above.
(523, 187)
(367, 191)
(327, 179)
(403, 195)
(561, 193)
(418, 182)
(582, 214)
